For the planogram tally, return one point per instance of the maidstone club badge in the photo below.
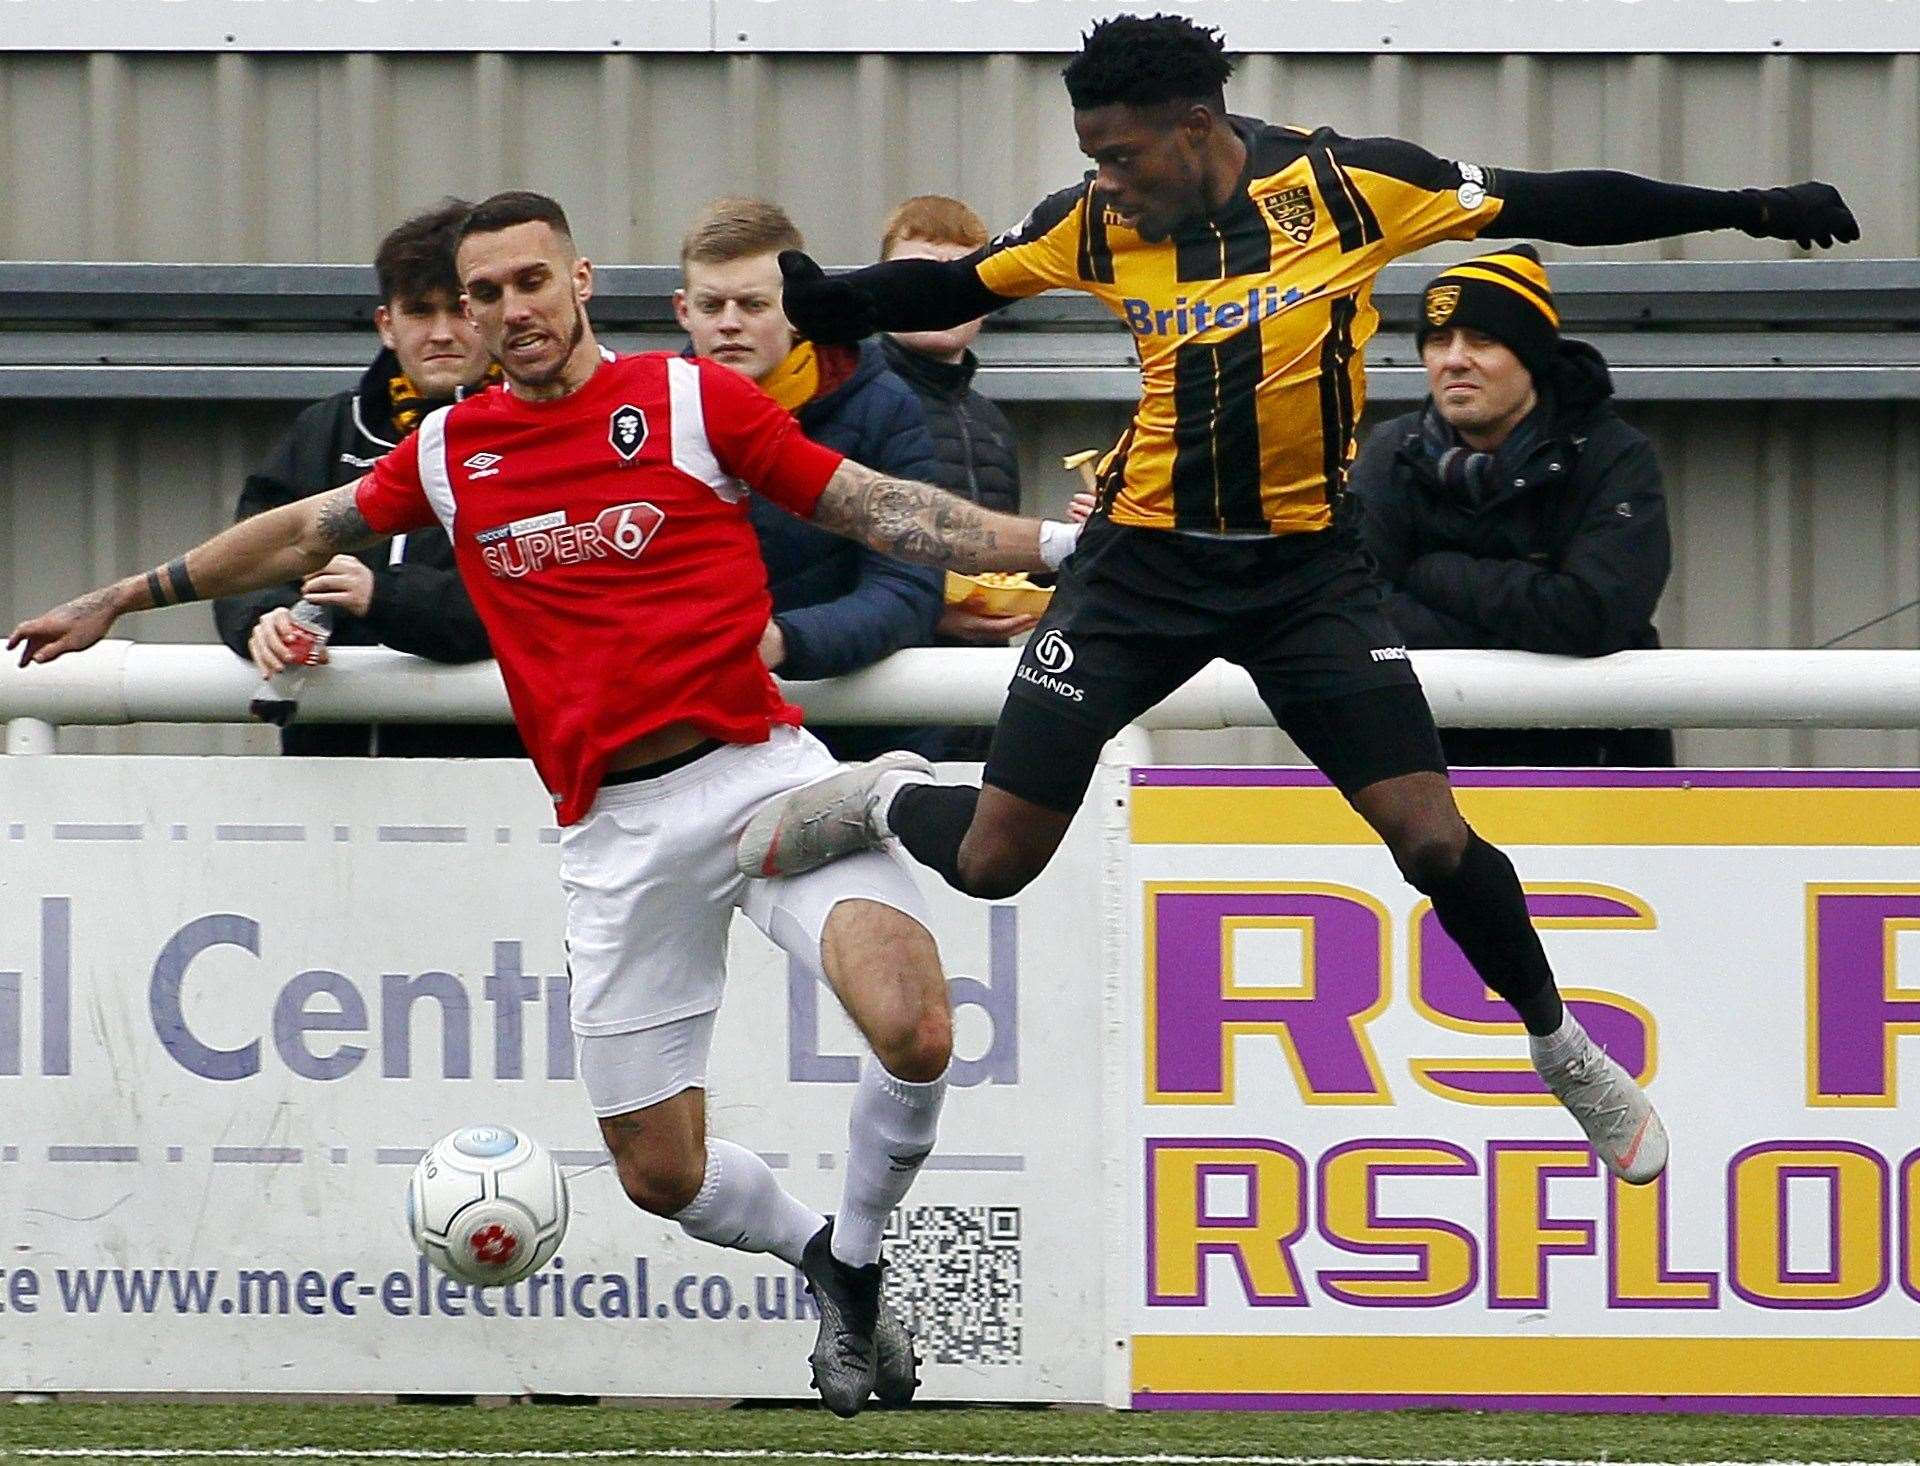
(1292, 212)
(1441, 301)
(627, 431)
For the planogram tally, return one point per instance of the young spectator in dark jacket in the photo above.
(403, 593)
(1515, 509)
(837, 606)
(977, 456)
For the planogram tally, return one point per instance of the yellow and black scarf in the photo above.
(809, 371)
(407, 404)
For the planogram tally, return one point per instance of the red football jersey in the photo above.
(605, 542)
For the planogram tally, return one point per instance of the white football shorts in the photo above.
(651, 891)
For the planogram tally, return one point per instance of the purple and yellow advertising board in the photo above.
(1348, 1187)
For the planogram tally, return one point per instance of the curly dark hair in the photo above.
(1148, 62)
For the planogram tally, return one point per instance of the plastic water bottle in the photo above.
(279, 696)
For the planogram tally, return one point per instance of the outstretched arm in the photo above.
(1599, 206)
(894, 295)
(918, 522)
(282, 544)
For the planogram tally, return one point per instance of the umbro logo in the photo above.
(482, 465)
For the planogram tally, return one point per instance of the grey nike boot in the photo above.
(821, 821)
(896, 1367)
(843, 1355)
(1616, 1114)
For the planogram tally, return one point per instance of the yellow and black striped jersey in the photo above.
(1249, 325)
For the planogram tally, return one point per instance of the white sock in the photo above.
(889, 1134)
(884, 789)
(741, 1205)
(1554, 1051)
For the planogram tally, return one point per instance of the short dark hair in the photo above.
(415, 260)
(515, 206)
(1148, 63)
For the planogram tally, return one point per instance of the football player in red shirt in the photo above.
(597, 510)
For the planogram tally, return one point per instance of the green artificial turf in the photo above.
(279, 1425)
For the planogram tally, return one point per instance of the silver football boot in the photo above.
(821, 821)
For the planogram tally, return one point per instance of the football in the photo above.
(487, 1205)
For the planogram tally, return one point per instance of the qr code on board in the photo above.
(953, 1274)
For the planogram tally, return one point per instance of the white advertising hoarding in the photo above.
(1225, 1098)
(238, 998)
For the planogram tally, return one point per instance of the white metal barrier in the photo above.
(130, 682)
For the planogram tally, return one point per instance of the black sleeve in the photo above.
(278, 482)
(928, 295)
(1599, 594)
(425, 610)
(992, 496)
(1599, 206)
(989, 426)
(1422, 628)
(1380, 514)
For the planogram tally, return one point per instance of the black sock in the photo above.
(1483, 909)
(931, 821)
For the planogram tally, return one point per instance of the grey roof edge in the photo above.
(1816, 291)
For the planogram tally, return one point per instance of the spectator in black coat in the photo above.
(973, 441)
(404, 592)
(1516, 510)
(837, 605)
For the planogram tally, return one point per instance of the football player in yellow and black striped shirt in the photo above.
(1242, 257)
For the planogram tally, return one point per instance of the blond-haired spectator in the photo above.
(838, 606)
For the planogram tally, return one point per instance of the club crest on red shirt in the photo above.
(627, 431)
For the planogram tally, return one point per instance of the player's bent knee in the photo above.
(1009, 843)
(994, 870)
(663, 1184)
(920, 1051)
(660, 1159)
(1427, 854)
(913, 1037)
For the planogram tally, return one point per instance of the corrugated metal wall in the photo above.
(1792, 524)
(294, 157)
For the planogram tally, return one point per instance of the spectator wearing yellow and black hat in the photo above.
(1516, 509)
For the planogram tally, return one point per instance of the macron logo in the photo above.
(482, 465)
(1389, 654)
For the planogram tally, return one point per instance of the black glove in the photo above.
(1806, 213)
(827, 310)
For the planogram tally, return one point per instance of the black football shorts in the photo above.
(1139, 611)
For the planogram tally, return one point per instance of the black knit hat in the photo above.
(1505, 295)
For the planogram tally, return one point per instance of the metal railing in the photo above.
(130, 682)
(1774, 330)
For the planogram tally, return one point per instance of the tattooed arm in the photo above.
(282, 544)
(929, 526)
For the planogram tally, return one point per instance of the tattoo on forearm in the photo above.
(342, 525)
(910, 520)
(170, 585)
(93, 600)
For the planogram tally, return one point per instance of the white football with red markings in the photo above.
(487, 1205)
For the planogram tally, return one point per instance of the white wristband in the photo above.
(1057, 539)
